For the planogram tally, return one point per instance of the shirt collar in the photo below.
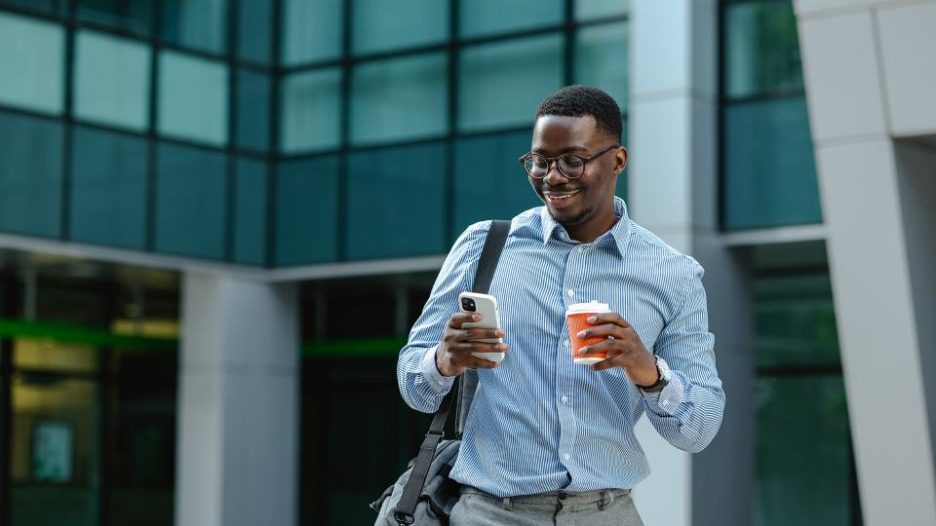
(620, 232)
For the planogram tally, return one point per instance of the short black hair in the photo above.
(578, 101)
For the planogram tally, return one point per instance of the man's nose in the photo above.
(553, 174)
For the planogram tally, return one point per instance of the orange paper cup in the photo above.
(577, 319)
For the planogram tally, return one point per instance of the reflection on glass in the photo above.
(196, 24)
(131, 15)
(250, 212)
(48, 354)
(32, 62)
(193, 98)
(485, 17)
(407, 23)
(307, 233)
(30, 175)
(49, 7)
(311, 30)
(502, 83)
(112, 80)
(761, 49)
(253, 110)
(594, 9)
(311, 111)
(254, 40)
(397, 99)
(601, 59)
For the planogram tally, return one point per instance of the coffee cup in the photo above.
(577, 319)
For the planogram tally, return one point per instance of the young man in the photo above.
(546, 440)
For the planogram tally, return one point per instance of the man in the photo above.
(548, 441)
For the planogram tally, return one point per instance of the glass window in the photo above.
(250, 212)
(594, 9)
(50, 355)
(190, 202)
(193, 98)
(253, 110)
(30, 175)
(485, 17)
(254, 30)
(489, 182)
(408, 23)
(761, 49)
(311, 111)
(108, 190)
(403, 98)
(32, 62)
(601, 59)
(311, 30)
(112, 80)
(376, 229)
(795, 321)
(51, 7)
(307, 211)
(770, 171)
(131, 15)
(502, 83)
(196, 24)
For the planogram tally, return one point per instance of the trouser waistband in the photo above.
(600, 497)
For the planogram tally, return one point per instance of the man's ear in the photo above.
(620, 160)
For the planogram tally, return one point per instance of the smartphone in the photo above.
(486, 306)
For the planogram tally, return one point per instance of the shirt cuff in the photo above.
(668, 400)
(431, 373)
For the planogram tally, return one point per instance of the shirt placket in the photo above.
(573, 287)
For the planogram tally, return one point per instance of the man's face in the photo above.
(585, 205)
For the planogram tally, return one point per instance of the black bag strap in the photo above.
(406, 506)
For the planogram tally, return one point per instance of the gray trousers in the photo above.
(592, 508)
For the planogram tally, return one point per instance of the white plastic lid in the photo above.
(591, 306)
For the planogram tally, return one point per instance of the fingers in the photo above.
(609, 317)
(608, 329)
(460, 318)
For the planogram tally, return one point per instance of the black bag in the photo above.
(424, 495)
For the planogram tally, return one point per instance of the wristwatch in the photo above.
(665, 374)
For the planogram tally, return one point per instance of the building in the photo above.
(218, 219)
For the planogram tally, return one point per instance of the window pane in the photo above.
(311, 30)
(190, 196)
(30, 175)
(112, 80)
(501, 84)
(403, 98)
(489, 182)
(132, 15)
(601, 59)
(311, 111)
(307, 211)
(484, 17)
(770, 171)
(31, 59)
(407, 23)
(254, 41)
(109, 189)
(51, 7)
(592, 9)
(197, 24)
(795, 321)
(253, 110)
(250, 212)
(193, 98)
(761, 49)
(376, 230)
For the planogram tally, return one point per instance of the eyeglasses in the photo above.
(569, 165)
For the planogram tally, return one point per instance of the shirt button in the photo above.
(571, 293)
(567, 456)
(581, 249)
(564, 399)
(565, 343)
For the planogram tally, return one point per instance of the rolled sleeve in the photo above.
(442, 384)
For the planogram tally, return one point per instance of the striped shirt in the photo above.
(538, 422)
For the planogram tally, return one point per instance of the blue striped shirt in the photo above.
(538, 422)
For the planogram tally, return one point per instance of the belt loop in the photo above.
(507, 503)
(607, 498)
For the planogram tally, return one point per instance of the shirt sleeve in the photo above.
(688, 411)
(421, 384)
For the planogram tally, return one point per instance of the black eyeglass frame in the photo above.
(551, 160)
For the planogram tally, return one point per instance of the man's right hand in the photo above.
(456, 352)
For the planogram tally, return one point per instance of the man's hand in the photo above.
(624, 348)
(455, 354)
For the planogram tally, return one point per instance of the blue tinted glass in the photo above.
(185, 112)
(483, 17)
(396, 202)
(601, 59)
(196, 24)
(396, 99)
(190, 197)
(489, 182)
(253, 110)
(770, 171)
(311, 111)
(311, 30)
(32, 63)
(502, 83)
(795, 321)
(30, 175)
(254, 41)
(761, 51)
(108, 190)
(250, 212)
(307, 211)
(595, 9)
(131, 15)
(51, 7)
(407, 23)
(112, 80)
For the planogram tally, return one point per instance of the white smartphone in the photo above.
(486, 306)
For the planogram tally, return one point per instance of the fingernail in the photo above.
(581, 334)
(592, 319)
(476, 317)
(499, 333)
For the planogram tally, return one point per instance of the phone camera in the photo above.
(468, 304)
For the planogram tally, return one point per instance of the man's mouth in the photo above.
(559, 198)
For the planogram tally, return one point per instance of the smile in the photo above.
(558, 197)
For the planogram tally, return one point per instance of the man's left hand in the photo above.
(624, 348)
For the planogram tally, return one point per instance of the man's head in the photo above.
(584, 122)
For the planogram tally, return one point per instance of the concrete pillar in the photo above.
(238, 403)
